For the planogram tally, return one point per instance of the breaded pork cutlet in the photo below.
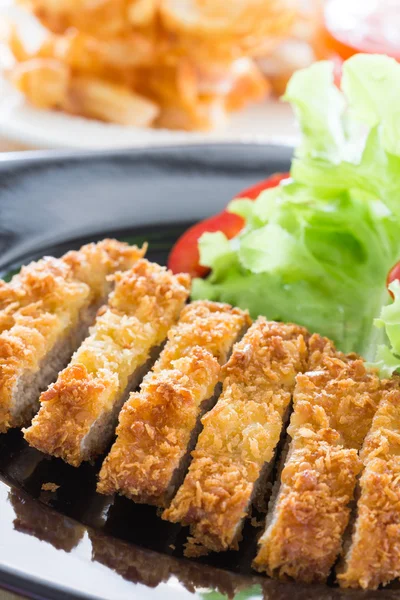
(236, 447)
(334, 405)
(90, 265)
(58, 300)
(27, 287)
(372, 556)
(158, 426)
(79, 411)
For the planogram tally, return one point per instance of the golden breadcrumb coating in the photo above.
(43, 281)
(40, 284)
(211, 325)
(320, 348)
(35, 330)
(373, 556)
(157, 425)
(94, 262)
(333, 408)
(240, 435)
(303, 537)
(48, 298)
(146, 301)
(346, 393)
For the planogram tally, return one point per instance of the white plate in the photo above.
(22, 125)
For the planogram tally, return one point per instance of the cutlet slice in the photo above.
(372, 556)
(333, 408)
(57, 302)
(236, 449)
(79, 411)
(36, 282)
(158, 426)
(32, 284)
(93, 264)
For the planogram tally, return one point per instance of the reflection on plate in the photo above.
(147, 568)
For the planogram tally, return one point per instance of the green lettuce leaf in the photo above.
(316, 250)
(388, 356)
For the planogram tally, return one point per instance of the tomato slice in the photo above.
(394, 274)
(254, 191)
(184, 256)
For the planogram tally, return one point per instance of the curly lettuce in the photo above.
(316, 250)
(387, 358)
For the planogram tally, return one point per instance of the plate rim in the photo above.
(53, 155)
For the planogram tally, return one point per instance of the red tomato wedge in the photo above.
(184, 256)
(394, 274)
(253, 192)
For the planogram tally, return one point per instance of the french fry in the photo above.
(178, 64)
(141, 12)
(43, 81)
(98, 99)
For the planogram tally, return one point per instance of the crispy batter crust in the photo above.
(94, 262)
(43, 281)
(333, 408)
(211, 325)
(42, 303)
(240, 435)
(311, 513)
(36, 328)
(155, 427)
(344, 391)
(373, 557)
(157, 424)
(146, 301)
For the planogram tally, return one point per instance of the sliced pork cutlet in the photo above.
(372, 554)
(236, 448)
(158, 427)
(59, 301)
(91, 265)
(334, 405)
(79, 411)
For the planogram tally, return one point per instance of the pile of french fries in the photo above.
(177, 64)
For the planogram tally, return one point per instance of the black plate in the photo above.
(74, 543)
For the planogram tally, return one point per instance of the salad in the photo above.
(315, 246)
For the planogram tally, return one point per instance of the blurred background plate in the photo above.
(23, 126)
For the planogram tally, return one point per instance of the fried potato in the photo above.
(45, 82)
(48, 83)
(218, 17)
(103, 18)
(201, 30)
(177, 64)
(85, 53)
(142, 12)
(243, 26)
(106, 101)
